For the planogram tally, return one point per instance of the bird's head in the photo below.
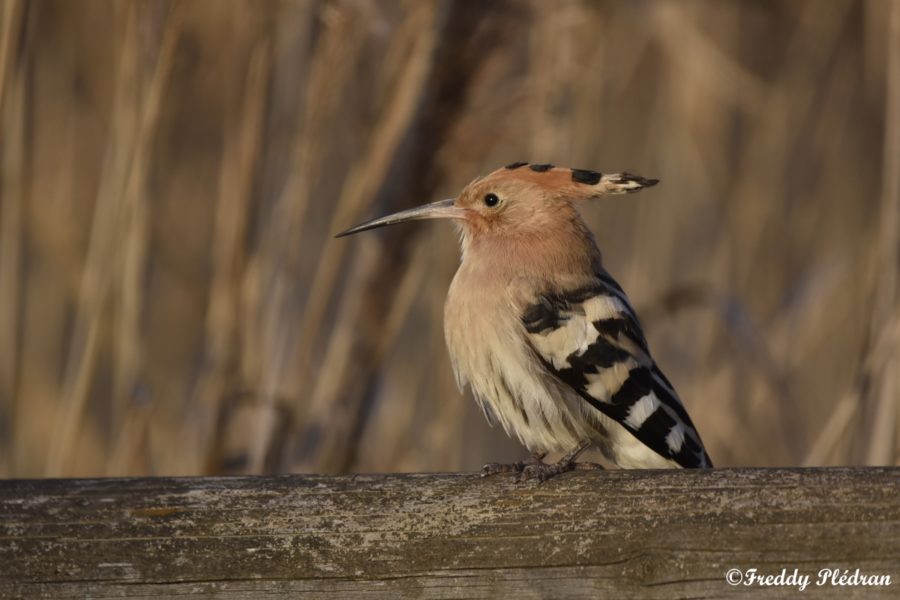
(517, 199)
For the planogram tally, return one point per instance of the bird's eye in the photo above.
(491, 200)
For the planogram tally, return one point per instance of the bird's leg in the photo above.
(536, 458)
(542, 471)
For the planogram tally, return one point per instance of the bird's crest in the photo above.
(575, 183)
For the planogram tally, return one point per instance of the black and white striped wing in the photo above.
(590, 339)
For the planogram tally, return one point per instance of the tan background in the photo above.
(172, 302)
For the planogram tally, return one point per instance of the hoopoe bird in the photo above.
(546, 339)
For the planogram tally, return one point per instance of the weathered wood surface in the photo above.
(622, 534)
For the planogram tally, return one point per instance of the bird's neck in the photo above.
(561, 255)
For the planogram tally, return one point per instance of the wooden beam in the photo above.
(622, 534)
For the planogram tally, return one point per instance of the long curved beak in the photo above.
(443, 209)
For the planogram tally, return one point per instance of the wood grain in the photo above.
(624, 534)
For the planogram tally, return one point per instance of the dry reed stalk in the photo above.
(444, 436)
(11, 32)
(421, 32)
(237, 173)
(552, 56)
(698, 57)
(12, 191)
(339, 357)
(124, 173)
(837, 432)
(135, 228)
(414, 43)
(98, 267)
(330, 74)
(834, 435)
(790, 95)
(292, 54)
(128, 450)
(885, 387)
(409, 393)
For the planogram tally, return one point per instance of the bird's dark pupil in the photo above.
(491, 200)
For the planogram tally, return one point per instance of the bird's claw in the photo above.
(534, 467)
(497, 468)
(489, 469)
(542, 471)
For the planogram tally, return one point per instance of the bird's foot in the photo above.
(543, 471)
(517, 467)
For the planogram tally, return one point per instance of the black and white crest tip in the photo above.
(590, 339)
(633, 183)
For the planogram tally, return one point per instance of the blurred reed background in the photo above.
(171, 174)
